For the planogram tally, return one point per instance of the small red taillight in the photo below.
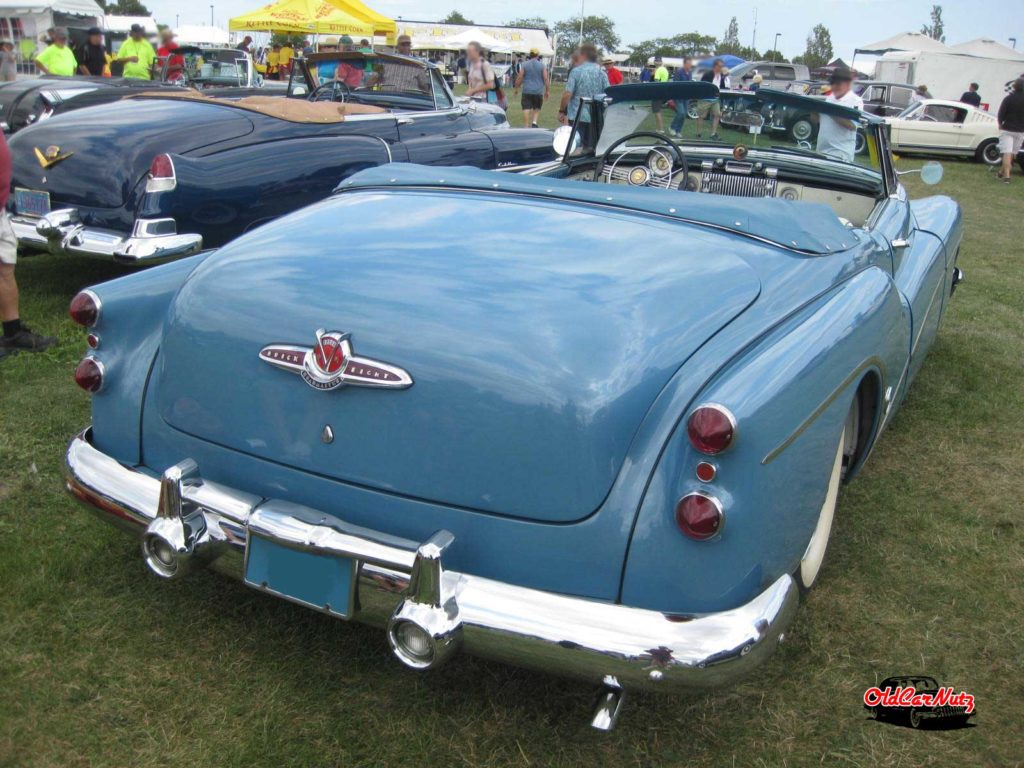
(85, 308)
(162, 167)
(161, 175)
(698, 516)
(89, 374)
(93, 341)
(706, 471)
(711, 428)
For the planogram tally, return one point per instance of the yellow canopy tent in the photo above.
(382, 25)
(314, 17)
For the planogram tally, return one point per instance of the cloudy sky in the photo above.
(852, 22)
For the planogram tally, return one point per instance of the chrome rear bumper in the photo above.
(152, 241)
(404, 581)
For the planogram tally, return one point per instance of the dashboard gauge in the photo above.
(639, 176)
(692, 184)
(659, 163)
(789, 193)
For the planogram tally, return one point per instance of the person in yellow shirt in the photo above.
(137, 54)
(57, 58)
(286, 55)
(273, 60)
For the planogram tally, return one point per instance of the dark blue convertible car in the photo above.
(161, 176)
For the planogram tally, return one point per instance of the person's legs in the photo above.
(716, 112)
(15, 335)
(680, 118)
(8, 294)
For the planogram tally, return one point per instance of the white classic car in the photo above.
(939, 127)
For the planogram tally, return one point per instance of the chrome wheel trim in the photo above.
(915, 719)
(990, 154)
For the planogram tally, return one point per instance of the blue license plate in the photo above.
(31, 202)
(320, 581)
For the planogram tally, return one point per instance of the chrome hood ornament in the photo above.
(331, 364)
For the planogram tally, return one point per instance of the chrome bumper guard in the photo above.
(430, 612)
(152, 241)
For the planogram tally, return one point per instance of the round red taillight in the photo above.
(706, 471)
(89, 374)
(85, 308)
(711, 429)
(698, 516)
(161, 167)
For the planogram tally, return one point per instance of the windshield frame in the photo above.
(309, 78)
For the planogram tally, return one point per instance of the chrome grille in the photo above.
(723, 183)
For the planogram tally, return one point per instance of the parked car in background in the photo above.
(223, 72)
(182, 171)
(483, 419)
(775, 75)
(938, 127)
(883, 99)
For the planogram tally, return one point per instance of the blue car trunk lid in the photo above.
(537, 335)
(109, 148)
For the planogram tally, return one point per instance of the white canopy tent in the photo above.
(987, 48)
(123, 24)
(198, 34)
(905, 41)
(24, 21)
(427, 36)
(460, 41)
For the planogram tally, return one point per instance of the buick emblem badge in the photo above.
(332, 364)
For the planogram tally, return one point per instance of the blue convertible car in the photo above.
(592, 420)
(158, 177)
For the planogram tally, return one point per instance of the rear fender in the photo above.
(223, 195)
(790, 393)
(130, 328)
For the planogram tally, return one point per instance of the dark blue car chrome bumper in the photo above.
(431, 612)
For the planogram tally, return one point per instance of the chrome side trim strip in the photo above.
(823, 406)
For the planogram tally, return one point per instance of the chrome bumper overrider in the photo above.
(186, 521)
(152, 241)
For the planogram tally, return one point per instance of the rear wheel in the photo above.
(988, 152)
(915, 719)
(814, 555)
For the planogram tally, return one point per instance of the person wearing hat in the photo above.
(137, 54)
(8, 62)
(350, 72)
(92, 56)
(533, 79)
(325, 70)
(837, 136)
(613, 72)
(57, 58)
(166, 52)
(245, 44)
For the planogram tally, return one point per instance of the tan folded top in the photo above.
(293, 110)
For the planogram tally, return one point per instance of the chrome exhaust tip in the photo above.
(171, 539)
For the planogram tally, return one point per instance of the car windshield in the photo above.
(761, 120)
(908, 113)
(209, 67)
(377, 80)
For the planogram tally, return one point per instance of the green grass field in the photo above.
(103, 665)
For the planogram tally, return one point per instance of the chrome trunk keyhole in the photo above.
(328, 434)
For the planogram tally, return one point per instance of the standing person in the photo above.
(613, 72)
(660, 76)
(682, 75)
(660, 71)
(837, 136)
(533, 79)
(16, 336)
(273, 60)
(479, 73)
(460, 68)
(57, 58)
(92, 57)
(8, 62)
(717, 77)
(971, 96)
(1011, 126)
(245, 44)
(586, 80)
(166, 53)
(646, 74)
(404, 45)
(137, 54)
(920, 94)
(284, 60)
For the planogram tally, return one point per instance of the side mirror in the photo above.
(931, 172)
(560, 142)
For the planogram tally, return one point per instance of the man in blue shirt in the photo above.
(682, 75)
(586, 80)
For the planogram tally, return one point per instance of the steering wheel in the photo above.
(338, 88)
(644, 175)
